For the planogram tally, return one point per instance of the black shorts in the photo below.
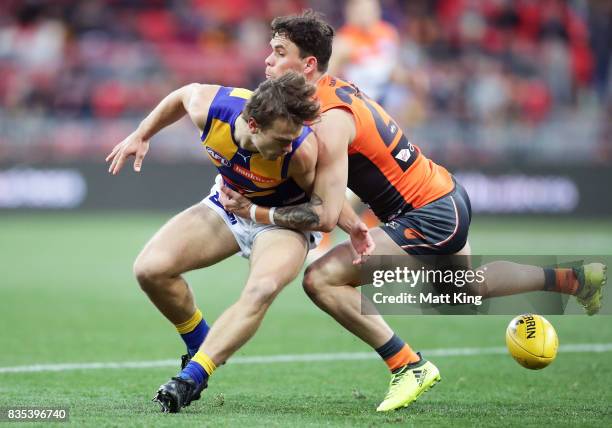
(438, 228)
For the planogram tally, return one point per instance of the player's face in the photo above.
(285, 57)
(276, 140)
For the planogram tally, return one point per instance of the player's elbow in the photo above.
(327, 223)
(326, 227)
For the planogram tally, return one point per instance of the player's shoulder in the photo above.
(201, 96)
(219, 93)
(335, 117)
(227, 102)
(336, 126)
(329, 91)
(227, 93)
(241, 93)
(204, 90)
(215, 102)
(197, 100)
(337, 106)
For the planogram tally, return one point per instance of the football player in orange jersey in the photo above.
(423, 209)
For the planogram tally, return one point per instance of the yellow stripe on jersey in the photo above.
(220, 140)
(241, 93)
(267, 168)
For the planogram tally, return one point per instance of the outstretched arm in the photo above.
(193, 99)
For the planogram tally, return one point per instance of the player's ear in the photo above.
(310, 64)
(253, 126)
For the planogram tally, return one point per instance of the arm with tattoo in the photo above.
(303, 216)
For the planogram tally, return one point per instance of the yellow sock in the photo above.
(193, 331)
(204, 360)
(189, 325)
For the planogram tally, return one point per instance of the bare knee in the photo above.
(152, 269)
(260, 293)
(314, 283)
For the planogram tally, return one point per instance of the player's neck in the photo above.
(314, 78)
(242, 135)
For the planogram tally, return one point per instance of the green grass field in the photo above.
(68, 296)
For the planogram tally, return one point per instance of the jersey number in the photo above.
(403, 153)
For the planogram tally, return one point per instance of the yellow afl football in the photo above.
(532, 341)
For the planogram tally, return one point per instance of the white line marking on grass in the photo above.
(272, 359)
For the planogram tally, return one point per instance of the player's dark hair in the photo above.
(311, 34)
(286, 97)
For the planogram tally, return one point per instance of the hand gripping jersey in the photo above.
(263, 181)
(385, 170)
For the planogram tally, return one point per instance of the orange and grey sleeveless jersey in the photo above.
(386, 171)
(263, 181)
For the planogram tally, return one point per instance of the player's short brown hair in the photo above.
(311, 34)
(287, 97)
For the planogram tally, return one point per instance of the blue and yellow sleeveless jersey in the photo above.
(263, 181)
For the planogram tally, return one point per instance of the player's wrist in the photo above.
(141, 134)
(262, 215)
(148, 128)
(348, 225)
(253, 212)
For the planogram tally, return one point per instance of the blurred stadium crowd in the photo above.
(487, 80)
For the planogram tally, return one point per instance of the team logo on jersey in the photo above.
(244, 157)
(251, 175)
(218, 157)
(403, 155)
(410, 233)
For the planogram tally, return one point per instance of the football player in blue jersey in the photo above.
(262, 149)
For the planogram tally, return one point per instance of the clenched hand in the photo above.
(234, 202)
